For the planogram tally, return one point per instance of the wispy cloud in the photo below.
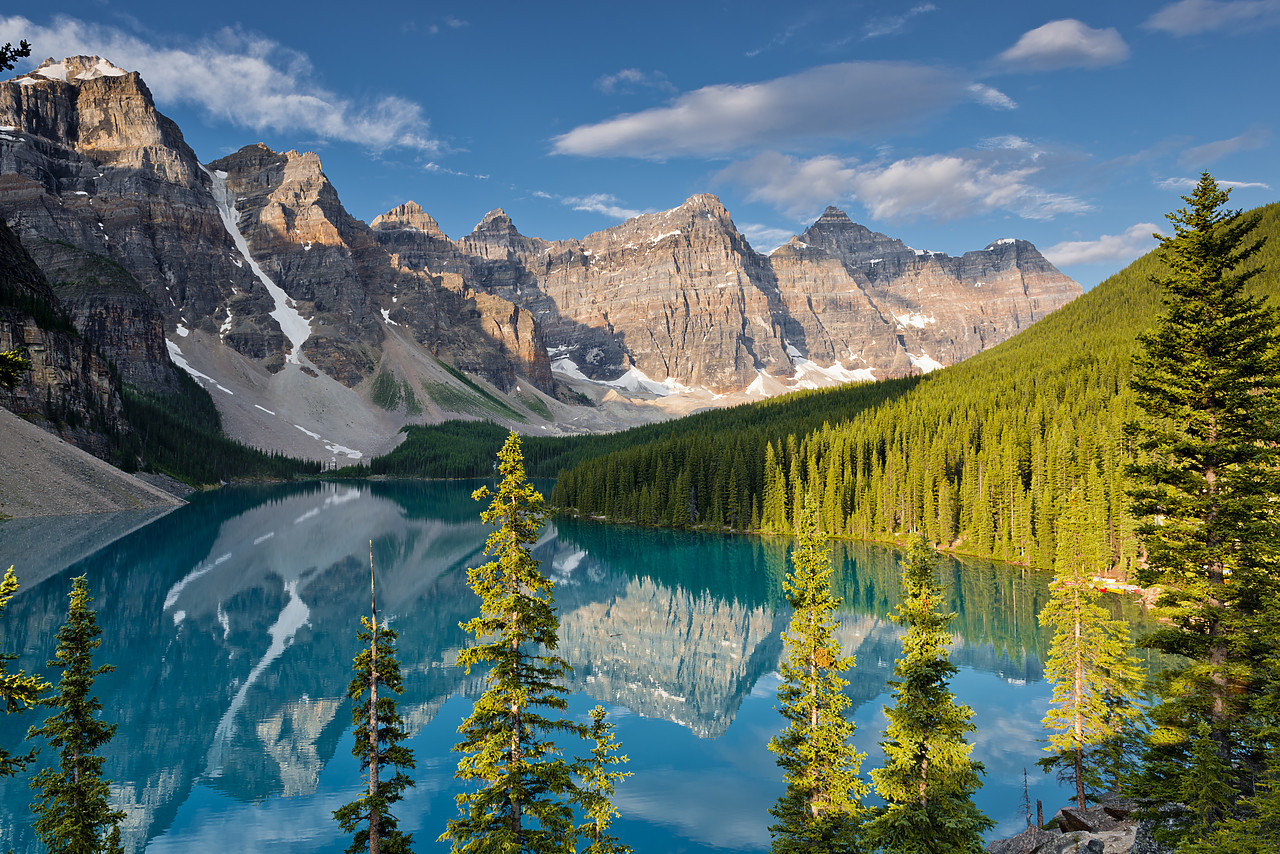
(1190, 183)
(1203, 155)
(1189, 17)
(764, 238)
(630, 80)
(786, 33)
(241, 78)
(888, 25)
(1066, 44)
(602, 203)
(991, 97)
(941, 187)
(449, 22)
(1135, 241)
(844, 100)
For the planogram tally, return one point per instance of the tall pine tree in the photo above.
(821, 809)
(1207, 471)
(72, 813)
(528, 793)
(18, 691)
(379, 731)
(928, 780)
(1095, 677)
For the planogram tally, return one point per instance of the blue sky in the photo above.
(950, 124)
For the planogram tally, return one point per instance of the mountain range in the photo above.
(319, 335)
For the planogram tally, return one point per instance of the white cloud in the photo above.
(843, 100)
(991, 97)
(1203, 155)
(602, 203)
(1188, 17)
(630, 80)
(240, 78)
(764, 238)
(1067, 44)
(941, 187)
(1136, 240)
(948, 186)
(892, 24)
(1190, 183)
(1008, 142)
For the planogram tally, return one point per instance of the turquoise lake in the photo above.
(231, 623)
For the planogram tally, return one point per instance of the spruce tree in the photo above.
(525, 802)
(1206, 472)
(379, 731)
(18, 691)
(928, 780)
(598, 784)
(72, 813)
(1094, 675)
(821, 809)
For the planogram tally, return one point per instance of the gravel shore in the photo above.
(41, 475)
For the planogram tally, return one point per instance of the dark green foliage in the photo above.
(72, 814)
(379, 731)
(1206, 471)
(9, 55)
(181, 435)
(980, 456)
(18, 691)
(821, 810)
(928, 780)
(527, 791)
(1096, 680)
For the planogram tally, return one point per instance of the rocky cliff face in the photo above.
(87, 160)
(280, 289)
(681, 296)
(68, 382)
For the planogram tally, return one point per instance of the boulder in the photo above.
(1087, 820)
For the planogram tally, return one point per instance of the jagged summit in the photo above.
(408, 215)
(73, 69)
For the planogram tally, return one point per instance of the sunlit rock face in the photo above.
(681, 296)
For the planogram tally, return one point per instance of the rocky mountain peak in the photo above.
(408, 215)
(852, 243)
(74, 69)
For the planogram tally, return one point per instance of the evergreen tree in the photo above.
(1208, 467)
(379, 731)
(9, 55)
(928, 780)
(526, 802)
(18, 691)
(72, 814)
(1094, 675)
(821, 809)
(598, 783)
(13, 363)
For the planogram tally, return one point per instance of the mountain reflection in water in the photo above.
(231, 623)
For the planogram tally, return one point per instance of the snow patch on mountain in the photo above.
(294, 326)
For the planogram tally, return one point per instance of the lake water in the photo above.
(231, 623)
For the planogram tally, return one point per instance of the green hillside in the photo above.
(981, 455)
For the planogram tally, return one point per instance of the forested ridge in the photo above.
(980, 456)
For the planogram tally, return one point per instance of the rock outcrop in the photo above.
(69, 383)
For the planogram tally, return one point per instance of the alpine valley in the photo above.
(320, 336)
